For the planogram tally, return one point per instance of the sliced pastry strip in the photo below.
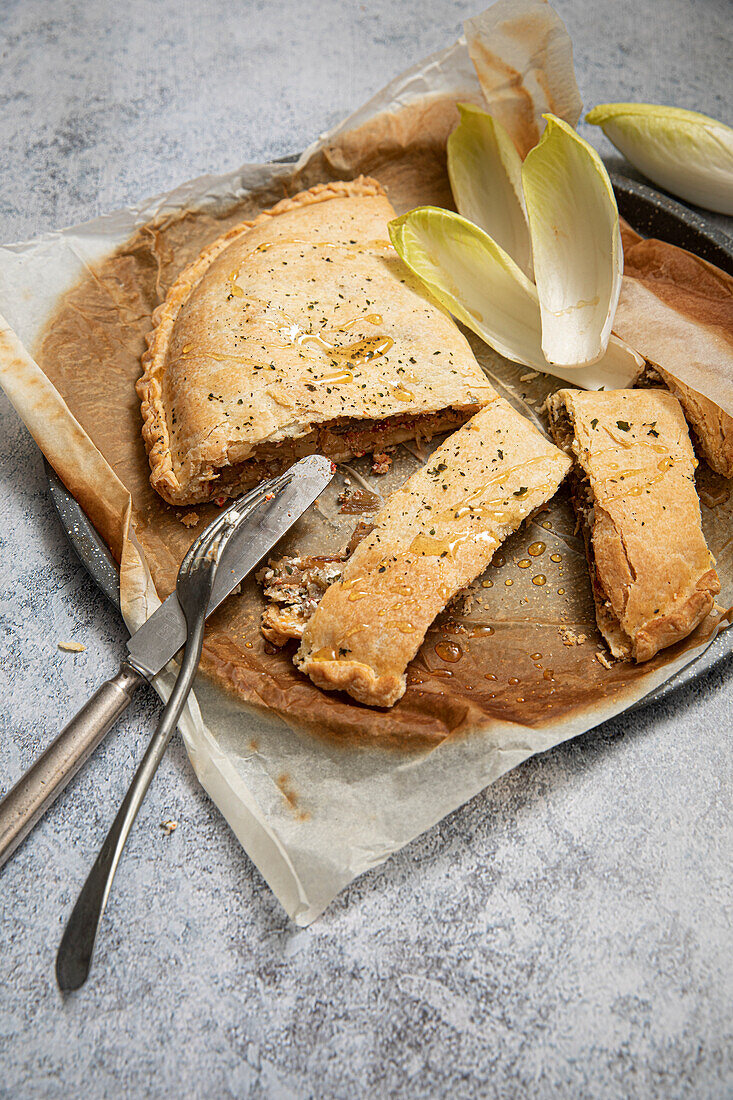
(433, 537)
(633, 486)
(300, 331)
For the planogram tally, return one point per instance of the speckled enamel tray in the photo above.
(651, 214)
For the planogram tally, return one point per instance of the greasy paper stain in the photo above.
(478, 661)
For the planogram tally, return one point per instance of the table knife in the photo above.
(155, 644)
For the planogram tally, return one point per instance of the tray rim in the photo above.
(102, 568)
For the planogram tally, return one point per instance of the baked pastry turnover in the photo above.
(300, 331)
(634, 493)
(433, 537)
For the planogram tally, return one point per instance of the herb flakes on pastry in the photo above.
(300, 331)
(434, 535)
(633, 485)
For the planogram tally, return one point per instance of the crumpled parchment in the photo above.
(317, 789)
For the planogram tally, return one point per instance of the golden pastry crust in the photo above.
(712, 426)
(634, 489)
(298, 331)
(433, 537)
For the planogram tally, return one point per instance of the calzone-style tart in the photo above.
(434, 536)
(633, 485)
(300, 331)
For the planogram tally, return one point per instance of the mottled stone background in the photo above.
(567, 933)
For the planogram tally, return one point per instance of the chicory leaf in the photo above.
(480, 284)
(485, 172)
(576, 244)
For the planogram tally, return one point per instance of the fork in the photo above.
(193, 589)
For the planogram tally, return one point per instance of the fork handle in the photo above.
(46, 778)
(75, 952)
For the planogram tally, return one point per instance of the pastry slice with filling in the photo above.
(434, 536)
(633, 486)
(301, 331)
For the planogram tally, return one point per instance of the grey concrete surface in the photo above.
(567, 933)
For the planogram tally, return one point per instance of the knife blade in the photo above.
(162, 635)
(152, 646)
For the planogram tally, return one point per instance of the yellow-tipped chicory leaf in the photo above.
(684, 152)
(485, 172)
(576, 244)
(479, 283)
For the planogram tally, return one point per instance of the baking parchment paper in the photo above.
(317, 789)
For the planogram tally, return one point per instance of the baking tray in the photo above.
(653, 215)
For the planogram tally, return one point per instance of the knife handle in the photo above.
(29, 799)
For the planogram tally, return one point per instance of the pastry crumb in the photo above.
(72, 647)
(169, 827)
(604, 660)
(529, 376)
(570, 638)
(190, 519)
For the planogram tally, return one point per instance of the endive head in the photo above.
(684, 152)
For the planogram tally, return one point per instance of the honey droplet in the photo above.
(372, 318)
(665, 463)
(402, 626)
(442, 673)
(334, 378)
(479, 631)
(509, 583)
(535, 656)
(237, 291)
(536, 548)
(524, 563)
(487, 584)
(498, 560)
(489, 676)
(555, 557)
(363, 351)
(561, 591)
(449, 651)
(520, 698)
(548, 674)
(540, 579)
(400, 392)
(514, 680)
(546, 524)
